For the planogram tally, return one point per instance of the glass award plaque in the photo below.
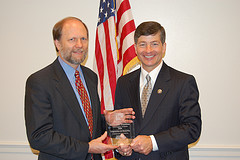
(121, 134)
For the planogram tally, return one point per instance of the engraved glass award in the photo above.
(121, 134)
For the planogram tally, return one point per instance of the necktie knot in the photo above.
(148, 78)
(76, 73)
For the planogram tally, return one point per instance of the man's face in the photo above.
(73, 45)
(150, 51)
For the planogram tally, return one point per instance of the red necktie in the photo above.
(85, 101)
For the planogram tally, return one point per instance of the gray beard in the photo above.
(71, 60)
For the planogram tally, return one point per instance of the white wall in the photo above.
(202, 39)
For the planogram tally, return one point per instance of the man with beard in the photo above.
(62, 123)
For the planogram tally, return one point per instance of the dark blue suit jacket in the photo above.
(172, 116)
(54, 121)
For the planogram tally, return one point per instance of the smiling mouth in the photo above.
(78, 51)
(149, 56)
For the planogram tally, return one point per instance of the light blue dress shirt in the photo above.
(69, 71)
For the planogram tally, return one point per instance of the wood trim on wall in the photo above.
(199, 151)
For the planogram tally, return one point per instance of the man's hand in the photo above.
(97, 146)
(142, 144)
(125, 150)
(117, 117)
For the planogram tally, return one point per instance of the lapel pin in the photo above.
(159, 91)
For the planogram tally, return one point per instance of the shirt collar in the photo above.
(70, 71)
(153, 74)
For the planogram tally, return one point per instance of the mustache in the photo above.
(78, 50)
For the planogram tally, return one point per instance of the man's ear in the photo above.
(164, 49)
(135, 47)
(57, 44)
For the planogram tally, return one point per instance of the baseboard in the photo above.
(214, 151)
(16, 147)
(198, 151)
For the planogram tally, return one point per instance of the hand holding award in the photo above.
(120, 126)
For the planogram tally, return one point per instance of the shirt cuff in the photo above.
(154, 143)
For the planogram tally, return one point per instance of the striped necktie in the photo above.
(146, 93)
(85, 101)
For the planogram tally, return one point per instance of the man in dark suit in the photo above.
(56, 120)
(167, 112)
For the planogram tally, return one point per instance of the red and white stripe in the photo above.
(114, 51)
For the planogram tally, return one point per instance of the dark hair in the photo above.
(150, 28)
(57, 29)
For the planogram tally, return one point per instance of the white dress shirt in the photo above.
(153, 74)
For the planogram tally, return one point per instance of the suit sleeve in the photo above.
(40, 128)
(189, 128)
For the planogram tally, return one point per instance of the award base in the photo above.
(121, 135)
(120, 142)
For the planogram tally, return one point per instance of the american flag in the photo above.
(114, 48)
(114, 51)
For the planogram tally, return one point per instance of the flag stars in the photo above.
(106, 10)
(112, 10)
(101, 9)
(106, 14)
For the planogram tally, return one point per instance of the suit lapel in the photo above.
(159, 91)
(135, 99)
(93, 96)
(65, 89)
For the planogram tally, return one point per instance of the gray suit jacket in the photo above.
(54, 121)
(172, 116)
